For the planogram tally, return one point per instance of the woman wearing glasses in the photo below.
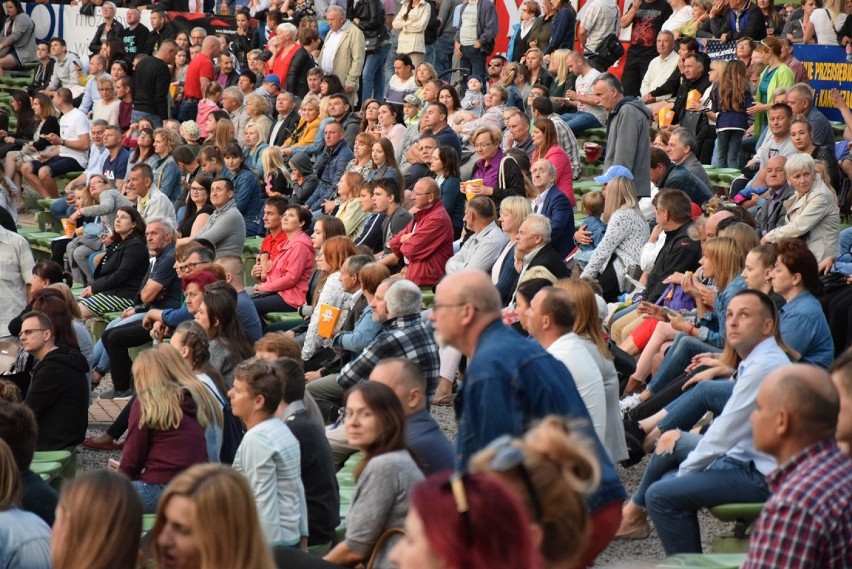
(375, 425)
(198, 207)
(468, 522)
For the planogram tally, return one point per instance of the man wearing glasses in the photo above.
(495, 68)
(59, 391)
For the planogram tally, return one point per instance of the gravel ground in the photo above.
(644, 553)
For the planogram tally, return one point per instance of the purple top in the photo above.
(488, 172)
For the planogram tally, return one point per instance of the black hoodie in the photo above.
(59, 397)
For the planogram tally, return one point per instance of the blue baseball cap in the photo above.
(612, 172)
(272, 78)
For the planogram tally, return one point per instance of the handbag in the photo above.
(610, 50)
(694, 121)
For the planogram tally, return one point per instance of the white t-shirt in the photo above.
(826, 32)
(583, 86)
(72, 125)
(678, 19)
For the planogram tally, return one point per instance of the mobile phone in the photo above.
(670, 312)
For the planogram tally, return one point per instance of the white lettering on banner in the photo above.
(66, 22)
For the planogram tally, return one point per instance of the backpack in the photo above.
(431, 32)
(233, 430)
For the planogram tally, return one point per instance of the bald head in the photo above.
(406, 380)
(476, 288)
(710, 227)
(211, 46)
(796, 406)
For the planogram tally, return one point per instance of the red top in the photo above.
(154, 456)
(199, 67)
(292, 270)
(272, 244)
(281, 63)
(428, 248)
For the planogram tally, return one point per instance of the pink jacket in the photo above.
(291, 270)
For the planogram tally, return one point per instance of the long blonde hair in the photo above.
(161, 375)
(728, 259)
(224, 518)
(620, 194)
(559, 58)
(587, 319)
(104, 522)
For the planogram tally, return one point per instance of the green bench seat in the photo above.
(59, 456)
(698, 561)
(51, 469)
(743, 517)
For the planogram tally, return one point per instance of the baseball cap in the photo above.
(272, 78)
(612, 172)
(412, 100)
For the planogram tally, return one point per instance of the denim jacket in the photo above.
(510, 383)
(712, 328)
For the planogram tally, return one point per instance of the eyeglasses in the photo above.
(187, 267)
(495, 64)
(197, 189)
(25, 333)
(510, 457)
(484, 145)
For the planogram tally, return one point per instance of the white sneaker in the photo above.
(629, 402)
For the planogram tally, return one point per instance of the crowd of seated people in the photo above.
(415, 244)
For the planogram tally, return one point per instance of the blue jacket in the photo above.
(249, 198)
(557, 208)
(805, 329)
(330, 167)
(712, 328)
(509, 384)
(562, 32)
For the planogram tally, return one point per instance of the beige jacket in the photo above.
(412, 36)
(813, 217)
(349, 59)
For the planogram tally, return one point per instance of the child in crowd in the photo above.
(729, 100)
(107, 107)
(411, 107)
(472, 101)
(207, 105)
(593, 206)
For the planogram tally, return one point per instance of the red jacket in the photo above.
(429, 247)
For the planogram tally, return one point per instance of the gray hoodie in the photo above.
(629, 142)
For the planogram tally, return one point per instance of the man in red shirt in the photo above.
(199, 74)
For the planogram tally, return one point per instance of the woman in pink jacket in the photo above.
(285, 287)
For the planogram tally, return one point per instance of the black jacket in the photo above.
(701, 84)
(371, 19)
(752, 24)
(116, 31)
(680, 254)
(59, 397)
(151, 82)
(548, 258)
(297, 75)
(156, 38)
(290, 123)
(513, 181)
(123, 268)
(41, 77)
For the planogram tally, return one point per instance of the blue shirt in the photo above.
(116, 169)
(804, 328)
(24, 540)
(510, 383)
(712, 328)
(597, 228)
(430, 448)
